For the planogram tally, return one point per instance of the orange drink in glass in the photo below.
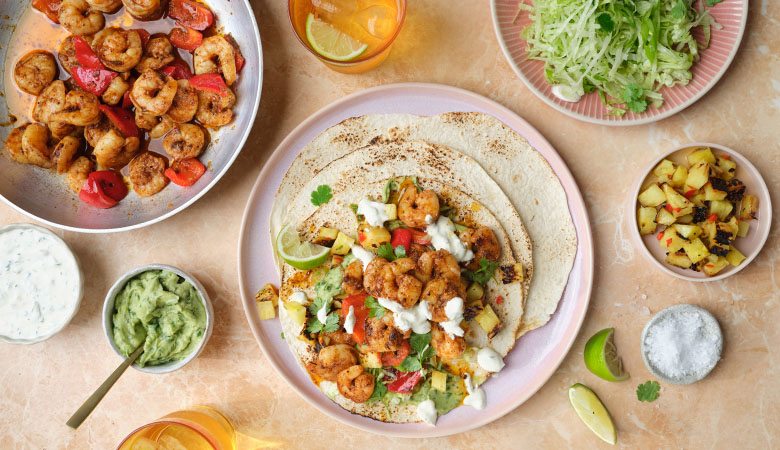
(349, 36)
(198, 428)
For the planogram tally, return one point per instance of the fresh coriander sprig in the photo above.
(321, 196)
(375, 309)
(648, 391)
(421, 351)
(634, 96)
(486, 272)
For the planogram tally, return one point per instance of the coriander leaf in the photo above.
(316, 305)
(314, 326)
(679, 10)
(282, 335)
(379, 391)
(605, 22)
(375, 309)
(386, 251)
(647, 392)
(485, 273)
(411, 364)
(321, 196)
(395, 224)
(332, 323)
(353, 207)
(712, 2)
(389, 187)
(414, 182)
(400, 251)
(426, 353)
(418, 342)
(634, 96)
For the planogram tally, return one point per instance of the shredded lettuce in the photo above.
(624, 49)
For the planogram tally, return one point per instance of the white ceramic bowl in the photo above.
(749, 245)
(108, 312)
(80, 284)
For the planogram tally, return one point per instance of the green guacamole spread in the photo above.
(162, 310)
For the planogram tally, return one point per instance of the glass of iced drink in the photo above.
(197, 428)
(349, 36)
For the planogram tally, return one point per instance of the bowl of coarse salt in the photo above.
(682, 344)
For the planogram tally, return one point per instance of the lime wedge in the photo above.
(601, 356)
(592, 412)
(330, 42)
(301, 255)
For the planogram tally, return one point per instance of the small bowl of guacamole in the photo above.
(162, 307)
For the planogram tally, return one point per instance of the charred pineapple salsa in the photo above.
(700, 208)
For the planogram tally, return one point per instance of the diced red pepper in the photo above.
(669, 242)
(361, 237)
(126, 102)
(185, 172)
(49, 7)
(712, 218)
(177, 69)
(660, 235)
(726, 156)
(336, 260)
(103, 189)
(419, 237)
(192, 14)
(402, 236)
(690, 193)
(670, 208)
(122, 119)
(240, 61)
(391, 359)
(210, 82)
(144, 35)
(358, 303)
(499, 300)
(186, 38)
(405, 382)
(709, 265)
(85, 55)
(95, 81)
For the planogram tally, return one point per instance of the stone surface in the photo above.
(451, 43)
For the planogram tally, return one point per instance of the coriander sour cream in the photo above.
(40, 283)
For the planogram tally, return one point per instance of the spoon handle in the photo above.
(86, 409)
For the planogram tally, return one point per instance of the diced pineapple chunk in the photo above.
(749, 208)
(713, 267)
(265, 309)
(727, 167)
(326, 237)
(710, 193)
(512, 273)
(439, 380)
(688, 231)
(370, 359)
(743, 227)
(342, 245)
(676, 200)
(734, 256)
(697, 198)
(652, 196)
(664, 217)
(701, 154)
(696, 250)
(679, 260)
(698, 175)
(721, 207)
(391, 211)
(733, 225)
(664, 170)
(645, 217)
(489, 321)
(679, 176)
(686, 219)
(671, 241)
(268, 293)
(296, 311)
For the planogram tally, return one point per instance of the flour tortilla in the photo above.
(522, 173)
(337, 214)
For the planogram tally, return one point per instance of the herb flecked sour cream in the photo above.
(443, 236)
(415, 318)
(488, 359)
(40, 283)
(476, 397)
(454, 312)
(426, 411)
(365, 256)
(374, 212)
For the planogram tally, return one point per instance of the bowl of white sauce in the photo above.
(41, 284)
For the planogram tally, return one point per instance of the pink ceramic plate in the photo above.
(535, 357)
(731, 14)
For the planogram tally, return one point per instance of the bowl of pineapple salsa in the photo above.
(702, 212)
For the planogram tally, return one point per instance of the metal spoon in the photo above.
(86, 409)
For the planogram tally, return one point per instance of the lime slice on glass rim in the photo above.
(301, 255)
(330, 42)
(592, 412)
(601, 356)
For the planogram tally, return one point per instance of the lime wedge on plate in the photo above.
(301, 255)
(601, 356)
(330, 42)
(592, 412)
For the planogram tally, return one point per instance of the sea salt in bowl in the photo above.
(682, 344)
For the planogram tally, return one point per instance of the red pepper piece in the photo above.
(660, 235)
(361, 237)
(95, 81)
(690, 193)
(726, 156)
(126, 102)
(85, 55)
(240, 61)
(390, 359)
(186, 38)
(401, 236)
(191, 14)
(358, 304)
(49, 7)
(103, 189)
(669, 242)
(122, 119)
(499, 300)
(712, 218)
(185, 172)
(111, 184)
(211, 82)
(405, 382)
(419, 237)
(144, 35)
(177, 69)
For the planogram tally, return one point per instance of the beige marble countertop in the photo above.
(453, 43)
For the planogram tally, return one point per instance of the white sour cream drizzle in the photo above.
(365, 256)
(322, 314)
(476, 397)
(443, 236)
(374, 212)
(415, 318)
(39, 283)
(349, 321)
(299, 297)
(488, 359)
(454, 312)
(426, 411)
